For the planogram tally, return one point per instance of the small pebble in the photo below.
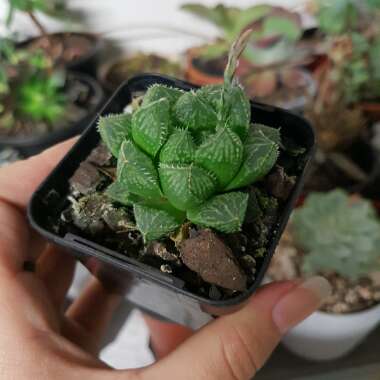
(249, 263)
(158, 249)
(376, 296)
(166, 268)
(364, 293)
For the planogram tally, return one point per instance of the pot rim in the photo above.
(96, 46)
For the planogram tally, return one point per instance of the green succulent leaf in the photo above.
(119, 192)
(179, 149)
(193, 113)
(260, 155)
(114, 129)
(221, 154)
(230, 104)
(151, 125)
(137, 172)
(256, 129)
(224, 212)
(154, 223)
(186, 186)
(160, 91)
(212, 95)
(338, 234)
(236, 110)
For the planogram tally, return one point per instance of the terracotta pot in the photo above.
(195, 75)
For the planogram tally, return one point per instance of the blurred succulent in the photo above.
(338, 233)
(275, 31)
(29, 88)
(336, 17)
(183, 155)
(353, 46)
(40, 97)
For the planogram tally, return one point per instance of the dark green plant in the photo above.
(189, 155)
(29, 88)
(338, 233)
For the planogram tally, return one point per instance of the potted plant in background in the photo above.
(188, 194)
(338, 236)
(76, 51)
(355, 26)
(40, 105)
(112, 74)
(345, 155)
(270, 69)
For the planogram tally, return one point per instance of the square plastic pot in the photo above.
(160, 294)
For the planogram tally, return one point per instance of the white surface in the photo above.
(130, 348)
(325, 336)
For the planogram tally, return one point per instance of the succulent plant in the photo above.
(189, 155)
(353, 46)
(275, 31)
(338, 233)
(29, 88)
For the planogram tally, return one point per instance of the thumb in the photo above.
(236, 346)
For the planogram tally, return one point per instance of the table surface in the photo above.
(363, 364)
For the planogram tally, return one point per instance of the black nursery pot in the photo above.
(86, 63)
(160, 294)
(33, 144)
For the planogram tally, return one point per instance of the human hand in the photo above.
(40, 341)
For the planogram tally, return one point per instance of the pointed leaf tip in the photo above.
(224, 212)
(151, 125)
(137, 172)
(114, 129)
(153, 223)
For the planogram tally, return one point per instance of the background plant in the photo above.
(274, 31)
(338, 233)
(53, 8)
(30, 89)
(273, 47)
(353, 46)
(184, 155)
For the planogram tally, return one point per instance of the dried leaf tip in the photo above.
(235, 52)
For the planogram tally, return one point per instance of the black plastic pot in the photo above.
(86, 63)
(30, 145)
(327, 176)
(160, 294)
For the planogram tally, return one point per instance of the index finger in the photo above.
(18, 181)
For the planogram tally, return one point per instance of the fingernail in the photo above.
(300, 302)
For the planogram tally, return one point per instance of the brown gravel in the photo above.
(347, 296)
